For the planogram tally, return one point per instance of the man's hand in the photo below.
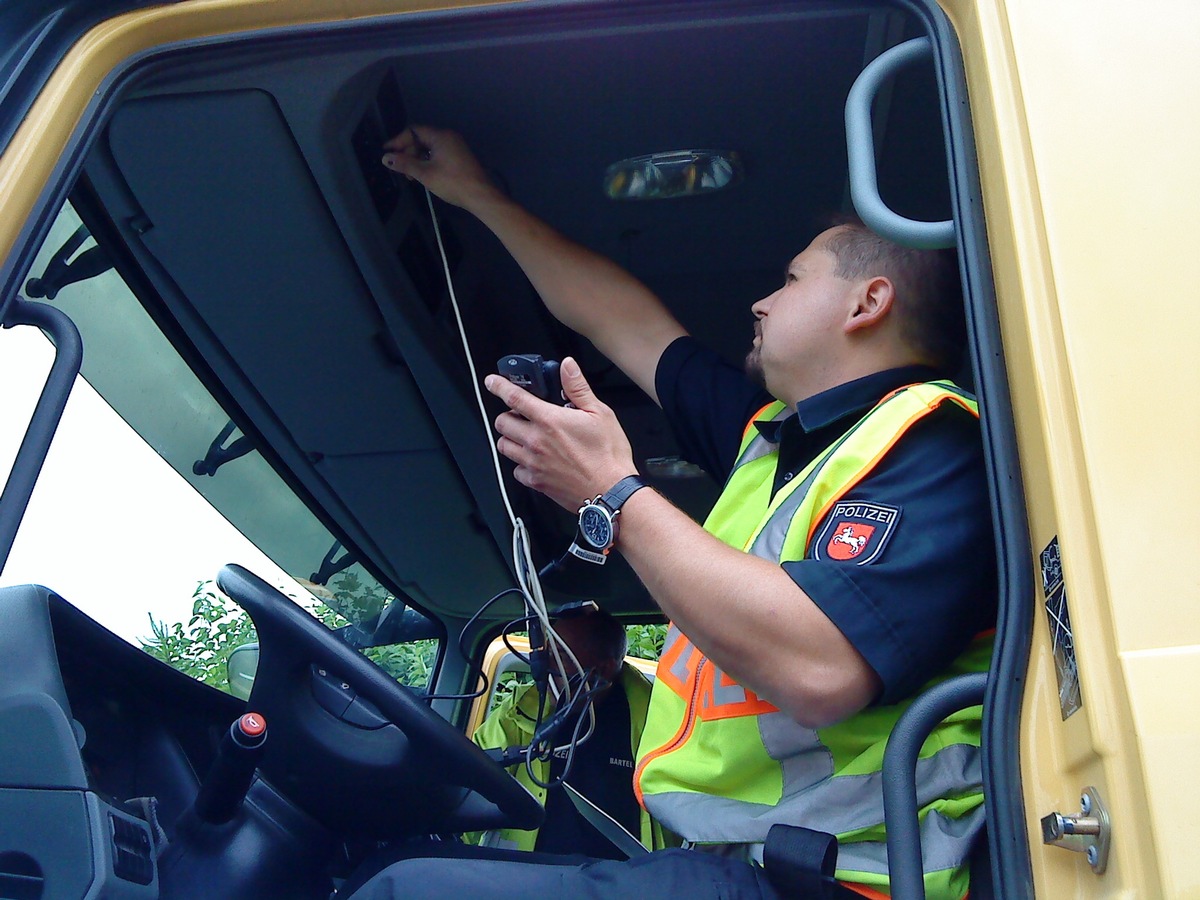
(442, 162)
(586, 292)
(568, 454)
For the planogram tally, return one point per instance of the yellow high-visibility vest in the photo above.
(717, 764)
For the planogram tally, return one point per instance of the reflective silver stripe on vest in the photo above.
(945, 843)
(724, 694)
(871, 856)
(837, 805)
(681, 668)
(760, 446)
(769, 542)
(805, 761)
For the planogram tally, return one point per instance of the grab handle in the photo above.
(860, 148)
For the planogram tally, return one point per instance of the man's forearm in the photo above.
(581, 288)
(745, 614)
(585, 291)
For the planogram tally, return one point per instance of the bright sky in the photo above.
(110, 527)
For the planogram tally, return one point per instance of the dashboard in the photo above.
(88, 725)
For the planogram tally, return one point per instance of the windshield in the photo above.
(215, 500)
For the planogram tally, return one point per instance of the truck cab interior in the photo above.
(269, 308)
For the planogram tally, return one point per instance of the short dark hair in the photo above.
(602, 632)
(927, 284)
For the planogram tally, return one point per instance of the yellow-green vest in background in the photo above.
(511, 725)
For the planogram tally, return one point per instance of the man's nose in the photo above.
(761, 307)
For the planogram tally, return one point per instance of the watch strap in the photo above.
(616, 496)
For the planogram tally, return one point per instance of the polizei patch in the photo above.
(856, 532)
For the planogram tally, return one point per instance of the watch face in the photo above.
(596, 527)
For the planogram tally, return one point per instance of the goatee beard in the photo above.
(753, 367)
(753, 364)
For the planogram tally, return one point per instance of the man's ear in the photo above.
(872, 303)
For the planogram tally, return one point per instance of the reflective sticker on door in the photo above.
(1061, 639)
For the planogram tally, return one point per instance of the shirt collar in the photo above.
(852, 398)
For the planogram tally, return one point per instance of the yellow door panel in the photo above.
(1084, 139)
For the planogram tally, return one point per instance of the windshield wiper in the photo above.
(331, 566)
(218, 453)
(60, 272)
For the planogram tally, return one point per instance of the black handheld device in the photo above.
(538, 376)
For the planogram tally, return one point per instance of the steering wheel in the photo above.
(409, 771)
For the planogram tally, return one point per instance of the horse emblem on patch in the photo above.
(856, 532)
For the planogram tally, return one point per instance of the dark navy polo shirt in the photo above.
(914, 606)
(602, 770)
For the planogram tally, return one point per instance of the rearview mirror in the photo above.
(240, 669)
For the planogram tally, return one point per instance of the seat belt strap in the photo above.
(617, 834)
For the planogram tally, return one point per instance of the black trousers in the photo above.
(475, 873)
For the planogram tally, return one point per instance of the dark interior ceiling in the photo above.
(244, 180)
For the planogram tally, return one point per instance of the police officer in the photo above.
(848, 562)
(601, 767)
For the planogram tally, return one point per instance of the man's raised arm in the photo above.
(586, 292)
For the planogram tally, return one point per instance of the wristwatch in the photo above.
(598, 521)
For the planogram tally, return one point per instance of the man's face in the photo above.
(798, 328)
(575, 632)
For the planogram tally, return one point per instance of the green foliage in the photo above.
(218, 626)
(360, 603)
(356, 600)
(646, 641)
(201, 647)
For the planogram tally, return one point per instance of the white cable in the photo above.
(523, 565)
(462, 333)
